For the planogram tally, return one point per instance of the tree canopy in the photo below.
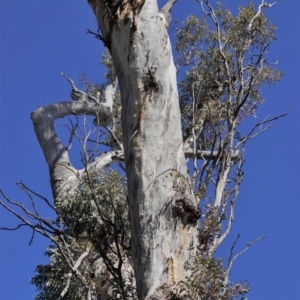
(91, 255)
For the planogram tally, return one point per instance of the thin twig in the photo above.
(230, 263)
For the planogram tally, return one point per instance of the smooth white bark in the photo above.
(163, 210)
(162, 238)
(63, 175)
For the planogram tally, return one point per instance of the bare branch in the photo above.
(260, 7)
(72, 133)
(43, 121)
(260, 124)
(70, 80)
(232, 249)
(74, 270)
(166, 11)
(193, 133)
(43, 231)
(98, 36)
(213, 15)
(169, 5)
(231, 261)
(76, 94)
(238, 181)
(209, 155)
(25, 187)
(109, 93)
(105, 159)
(115, 139)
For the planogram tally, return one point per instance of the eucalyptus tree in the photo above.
(149, 226)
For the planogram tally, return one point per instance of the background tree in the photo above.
(211, 123)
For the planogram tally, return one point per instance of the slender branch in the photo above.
(109, 93)
(24, 186)
(231, 261)
(169, 5)
(43, 121)
(98, 36)
(260, 7)
(115, 139)
(69, 80)
(36, 228)
(105, 159)
(193, 133)
(209, 155)
(212, 14)
(232, 249)
(72, 133)
(226, 166)
(238, 182)
(73, 268)
(265, 121)
(166, 11)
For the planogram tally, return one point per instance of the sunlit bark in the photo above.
(162, 239)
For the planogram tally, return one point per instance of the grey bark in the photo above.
(163, 209)
(163, 236)
(63, 175)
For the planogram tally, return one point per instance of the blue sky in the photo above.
(41, 38)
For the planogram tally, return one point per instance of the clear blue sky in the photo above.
(41, 38)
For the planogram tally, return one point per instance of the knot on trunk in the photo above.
(149, 81)
(186, 205)
(187, 210)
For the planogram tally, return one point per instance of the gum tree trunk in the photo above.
(162, 206)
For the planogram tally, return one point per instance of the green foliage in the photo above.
(208, 280)
(98, 208)
(51, 279)
(227, 68)
(96, 217)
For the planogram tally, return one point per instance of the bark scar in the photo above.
(185, 204)
(149, 81)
